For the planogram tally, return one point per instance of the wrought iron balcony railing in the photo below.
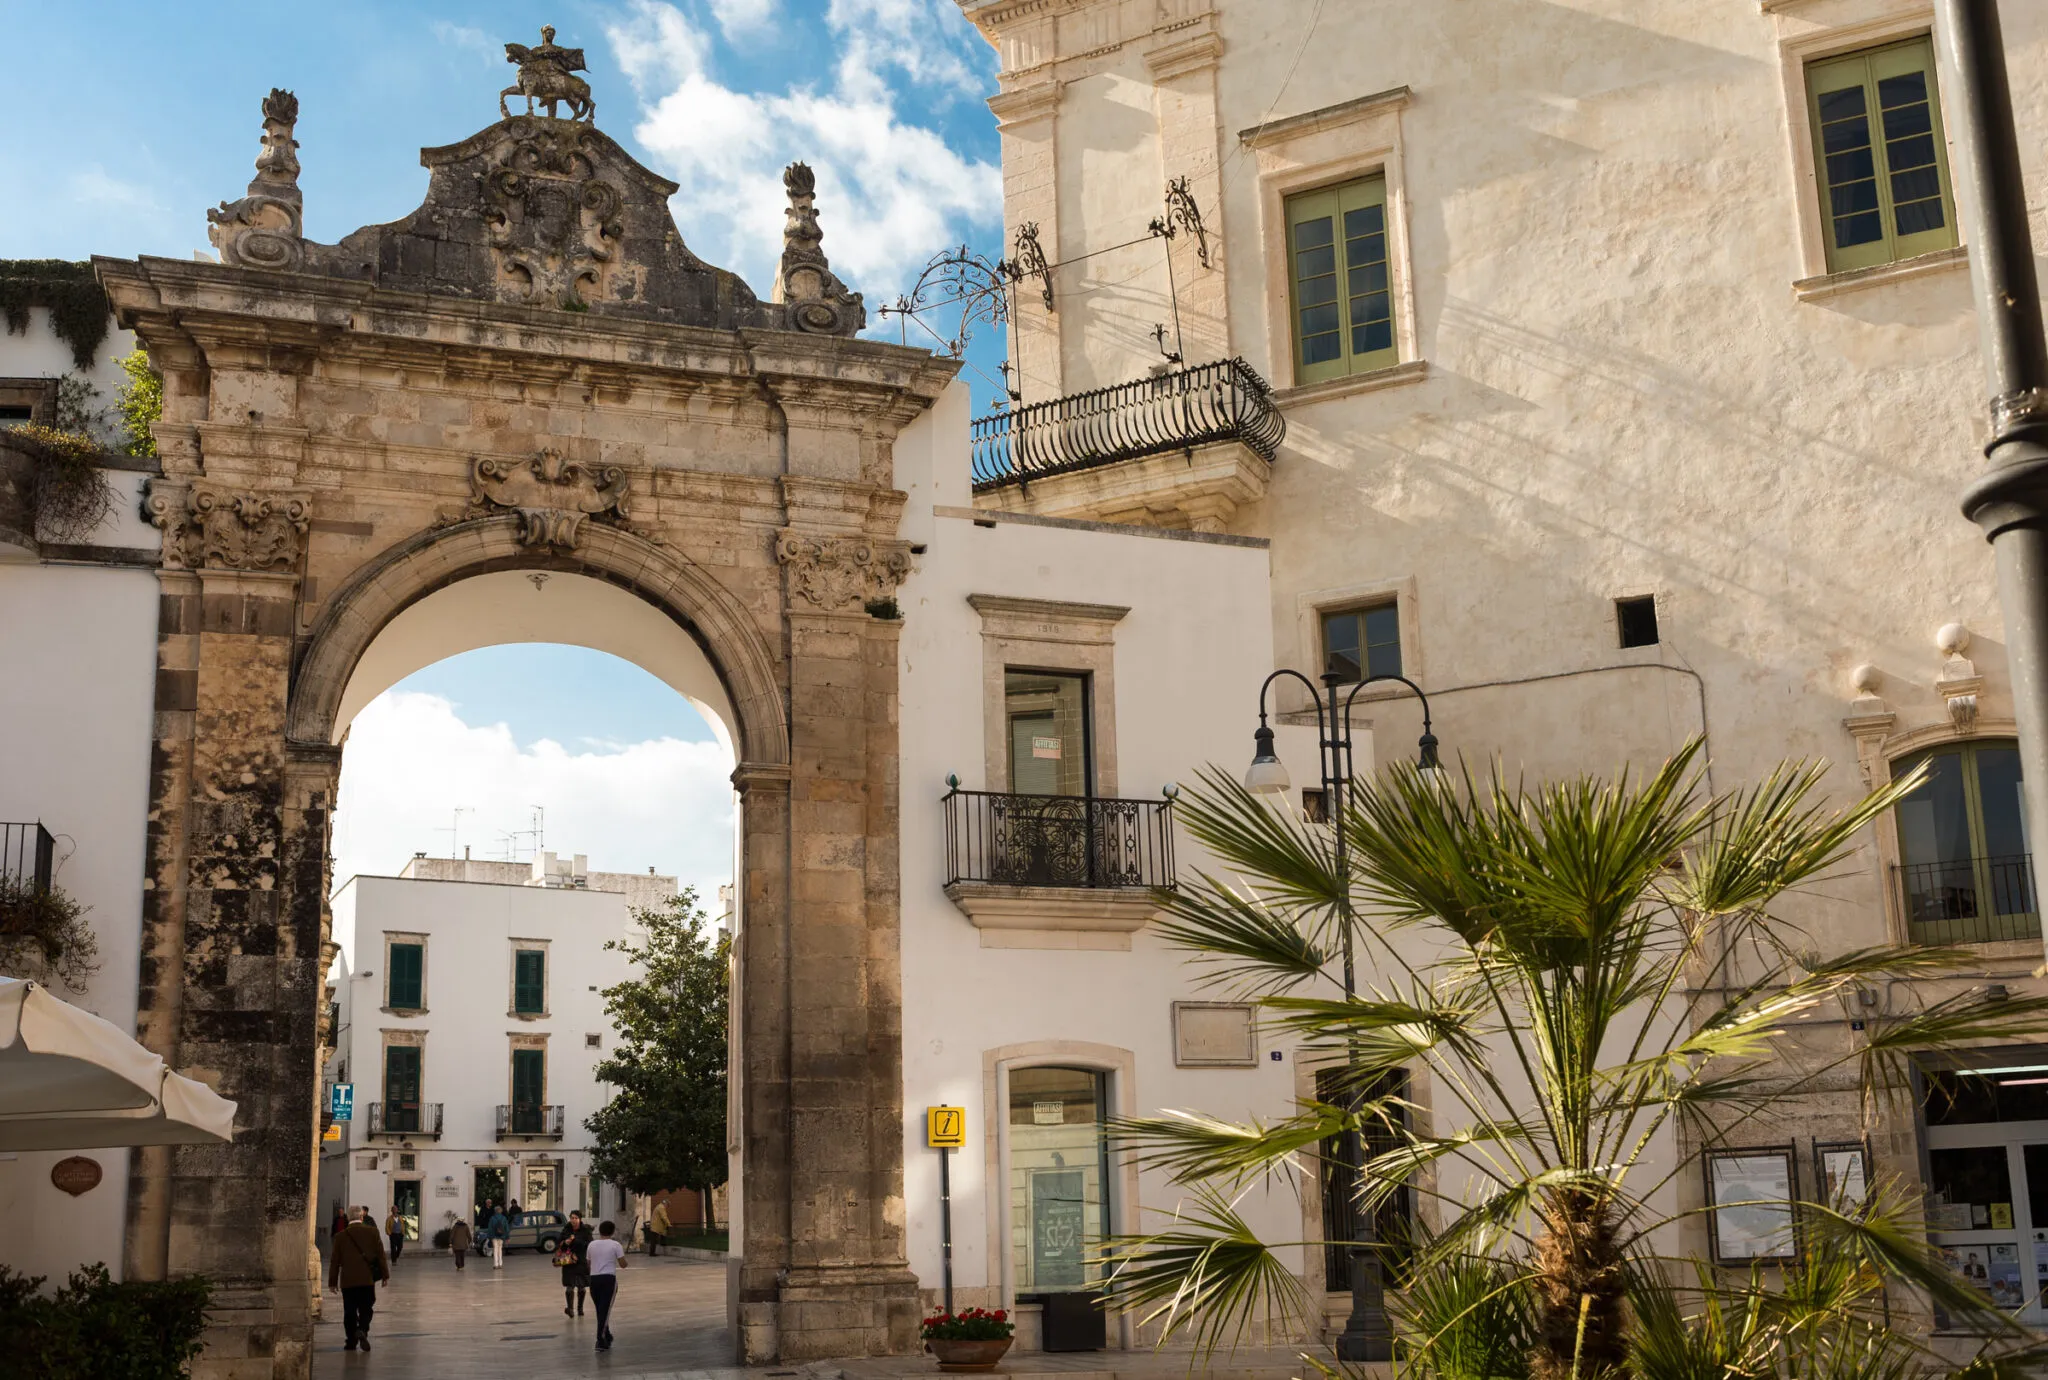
(529, 1119)
(27, 855)
(1969, 900)
(1058, 840)
(1190, 406)
(418, 1120)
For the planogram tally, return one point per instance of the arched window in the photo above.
(1059, 1177)
(1964, 873)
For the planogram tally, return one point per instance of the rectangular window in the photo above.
(401, 1087)
(1343, 301)
(1047, 715)
(1636, 621)
(404, 987)
(529, 982)
(1881, 158)
(529, 1090)
(1394, 1224)
(1363, 642)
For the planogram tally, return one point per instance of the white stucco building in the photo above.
(469, 1020)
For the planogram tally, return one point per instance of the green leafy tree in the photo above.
(665, 1124)
(140, 404)
(1557, 961)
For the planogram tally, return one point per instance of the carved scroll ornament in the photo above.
(834, 573)
(266, 228)
(552, 498)
(208, 528)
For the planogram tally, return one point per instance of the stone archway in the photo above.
(530, 372)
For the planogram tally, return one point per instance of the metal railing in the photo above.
(1194, 405)
(529, 1119)
(1969, 900)
(27, 855)
(418, 1119)
(1058, 840)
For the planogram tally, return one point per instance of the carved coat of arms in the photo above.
(552, 497)
(551, 223)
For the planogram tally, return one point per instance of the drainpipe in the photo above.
(2010, 499)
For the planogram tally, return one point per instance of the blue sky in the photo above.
(127, 120)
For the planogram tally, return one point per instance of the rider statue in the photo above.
(545, 76)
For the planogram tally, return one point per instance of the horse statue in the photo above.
(546, 76)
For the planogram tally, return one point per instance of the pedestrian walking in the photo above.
(394, 1228)
(605, 1258)
(459, 1237)
(337, 1226)
(657, 1228)
(499, 1229)
(357, 1269)
(576, 1270)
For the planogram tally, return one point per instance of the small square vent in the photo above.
(593, 1041)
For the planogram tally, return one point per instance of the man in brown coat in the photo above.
(357, 1266)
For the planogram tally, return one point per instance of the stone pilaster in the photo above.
(1183, 68)
(1027, 118)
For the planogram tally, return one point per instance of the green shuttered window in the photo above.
(529, 982)
(1882, 159)
(529, 1089)
(405, 989)
(1343, 299)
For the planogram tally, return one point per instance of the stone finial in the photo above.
(1870, 720)
(266, 228)
(1958, 682)
(804, 283)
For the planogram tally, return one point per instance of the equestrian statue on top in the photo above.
(547, 76)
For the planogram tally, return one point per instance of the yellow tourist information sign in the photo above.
(333, 1132)
(945, 1128)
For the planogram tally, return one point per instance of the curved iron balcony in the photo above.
(1195, 405)
(1058, 840)
(529, 1119)
(417, 1119)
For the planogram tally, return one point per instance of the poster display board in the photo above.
(1750, 1197)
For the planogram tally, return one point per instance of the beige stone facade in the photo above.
(1619, 365)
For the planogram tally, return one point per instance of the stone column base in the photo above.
(254, 1334)
(834, 1311)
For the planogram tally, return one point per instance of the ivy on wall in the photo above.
(78, 308)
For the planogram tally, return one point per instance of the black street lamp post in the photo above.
(1367, 1335)
(2010, 499)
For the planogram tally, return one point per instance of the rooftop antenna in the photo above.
(454, 831)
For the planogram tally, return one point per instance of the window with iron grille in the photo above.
(1394, 1223)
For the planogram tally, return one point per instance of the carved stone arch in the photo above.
(701, 607)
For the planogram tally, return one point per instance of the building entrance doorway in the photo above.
(405, 1201)
(490, 1188)
(543, 1189)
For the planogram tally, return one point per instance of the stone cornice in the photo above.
(1329, 117)
(1046, 610)
(1182, 56)
(1023, 104)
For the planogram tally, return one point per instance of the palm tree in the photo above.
(1588, 973)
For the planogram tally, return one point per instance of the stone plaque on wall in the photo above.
(1211, 1034)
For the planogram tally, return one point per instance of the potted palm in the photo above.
(973, 1340)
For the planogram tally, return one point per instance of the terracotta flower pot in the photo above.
(958, 1355)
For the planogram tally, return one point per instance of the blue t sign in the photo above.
(341, 1103)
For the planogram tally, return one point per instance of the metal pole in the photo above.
(2010, 501)
(1367, 1335)
(946, 1221)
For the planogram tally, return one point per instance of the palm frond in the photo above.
(1190, 1147)
(1207, 1276)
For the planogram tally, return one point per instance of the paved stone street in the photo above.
(433, 1323)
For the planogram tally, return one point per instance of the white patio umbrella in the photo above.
(71, 1081)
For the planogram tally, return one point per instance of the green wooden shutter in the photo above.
(401, 1087)
(1341, 281)
(529, 982)
(529, 1087)
(1881, 156)
(408, 964)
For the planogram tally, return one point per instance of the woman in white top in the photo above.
(606, 1257)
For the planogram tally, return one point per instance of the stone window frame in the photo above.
(547, 979)
(38, 395)
(418, 937)
(1048, 635)
(1326, 148)
(1122, 1067)
(1311, 605)
(1803, 39)
(520, 1039)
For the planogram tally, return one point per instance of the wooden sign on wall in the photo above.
(76, 1175)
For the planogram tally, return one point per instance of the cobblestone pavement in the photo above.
(434, 1323)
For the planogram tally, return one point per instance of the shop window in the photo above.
(1047, 717)
(1881, 156)
(1360, 643)
(1965, 873)
(1395, 1221)
(1339, 276)
(1059, 1177)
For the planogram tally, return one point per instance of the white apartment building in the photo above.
(468, 1022)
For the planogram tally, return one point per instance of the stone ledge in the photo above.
(1393, 376)
(1199, 489)
(1053, 917)
(1826, 285)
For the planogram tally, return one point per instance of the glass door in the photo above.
(1987, 1181)
(405, 1201)
(542, 1189)
(1059, 1170)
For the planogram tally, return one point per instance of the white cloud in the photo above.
(890, 193)
(741, 20)
(411, 761)
(95, 186)
(470, 40)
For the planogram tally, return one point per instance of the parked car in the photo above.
(540, 1230)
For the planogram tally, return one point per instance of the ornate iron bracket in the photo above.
(1027, 260)
(959, 275)
(1182, 211)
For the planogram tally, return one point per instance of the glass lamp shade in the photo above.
(1267, 776)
